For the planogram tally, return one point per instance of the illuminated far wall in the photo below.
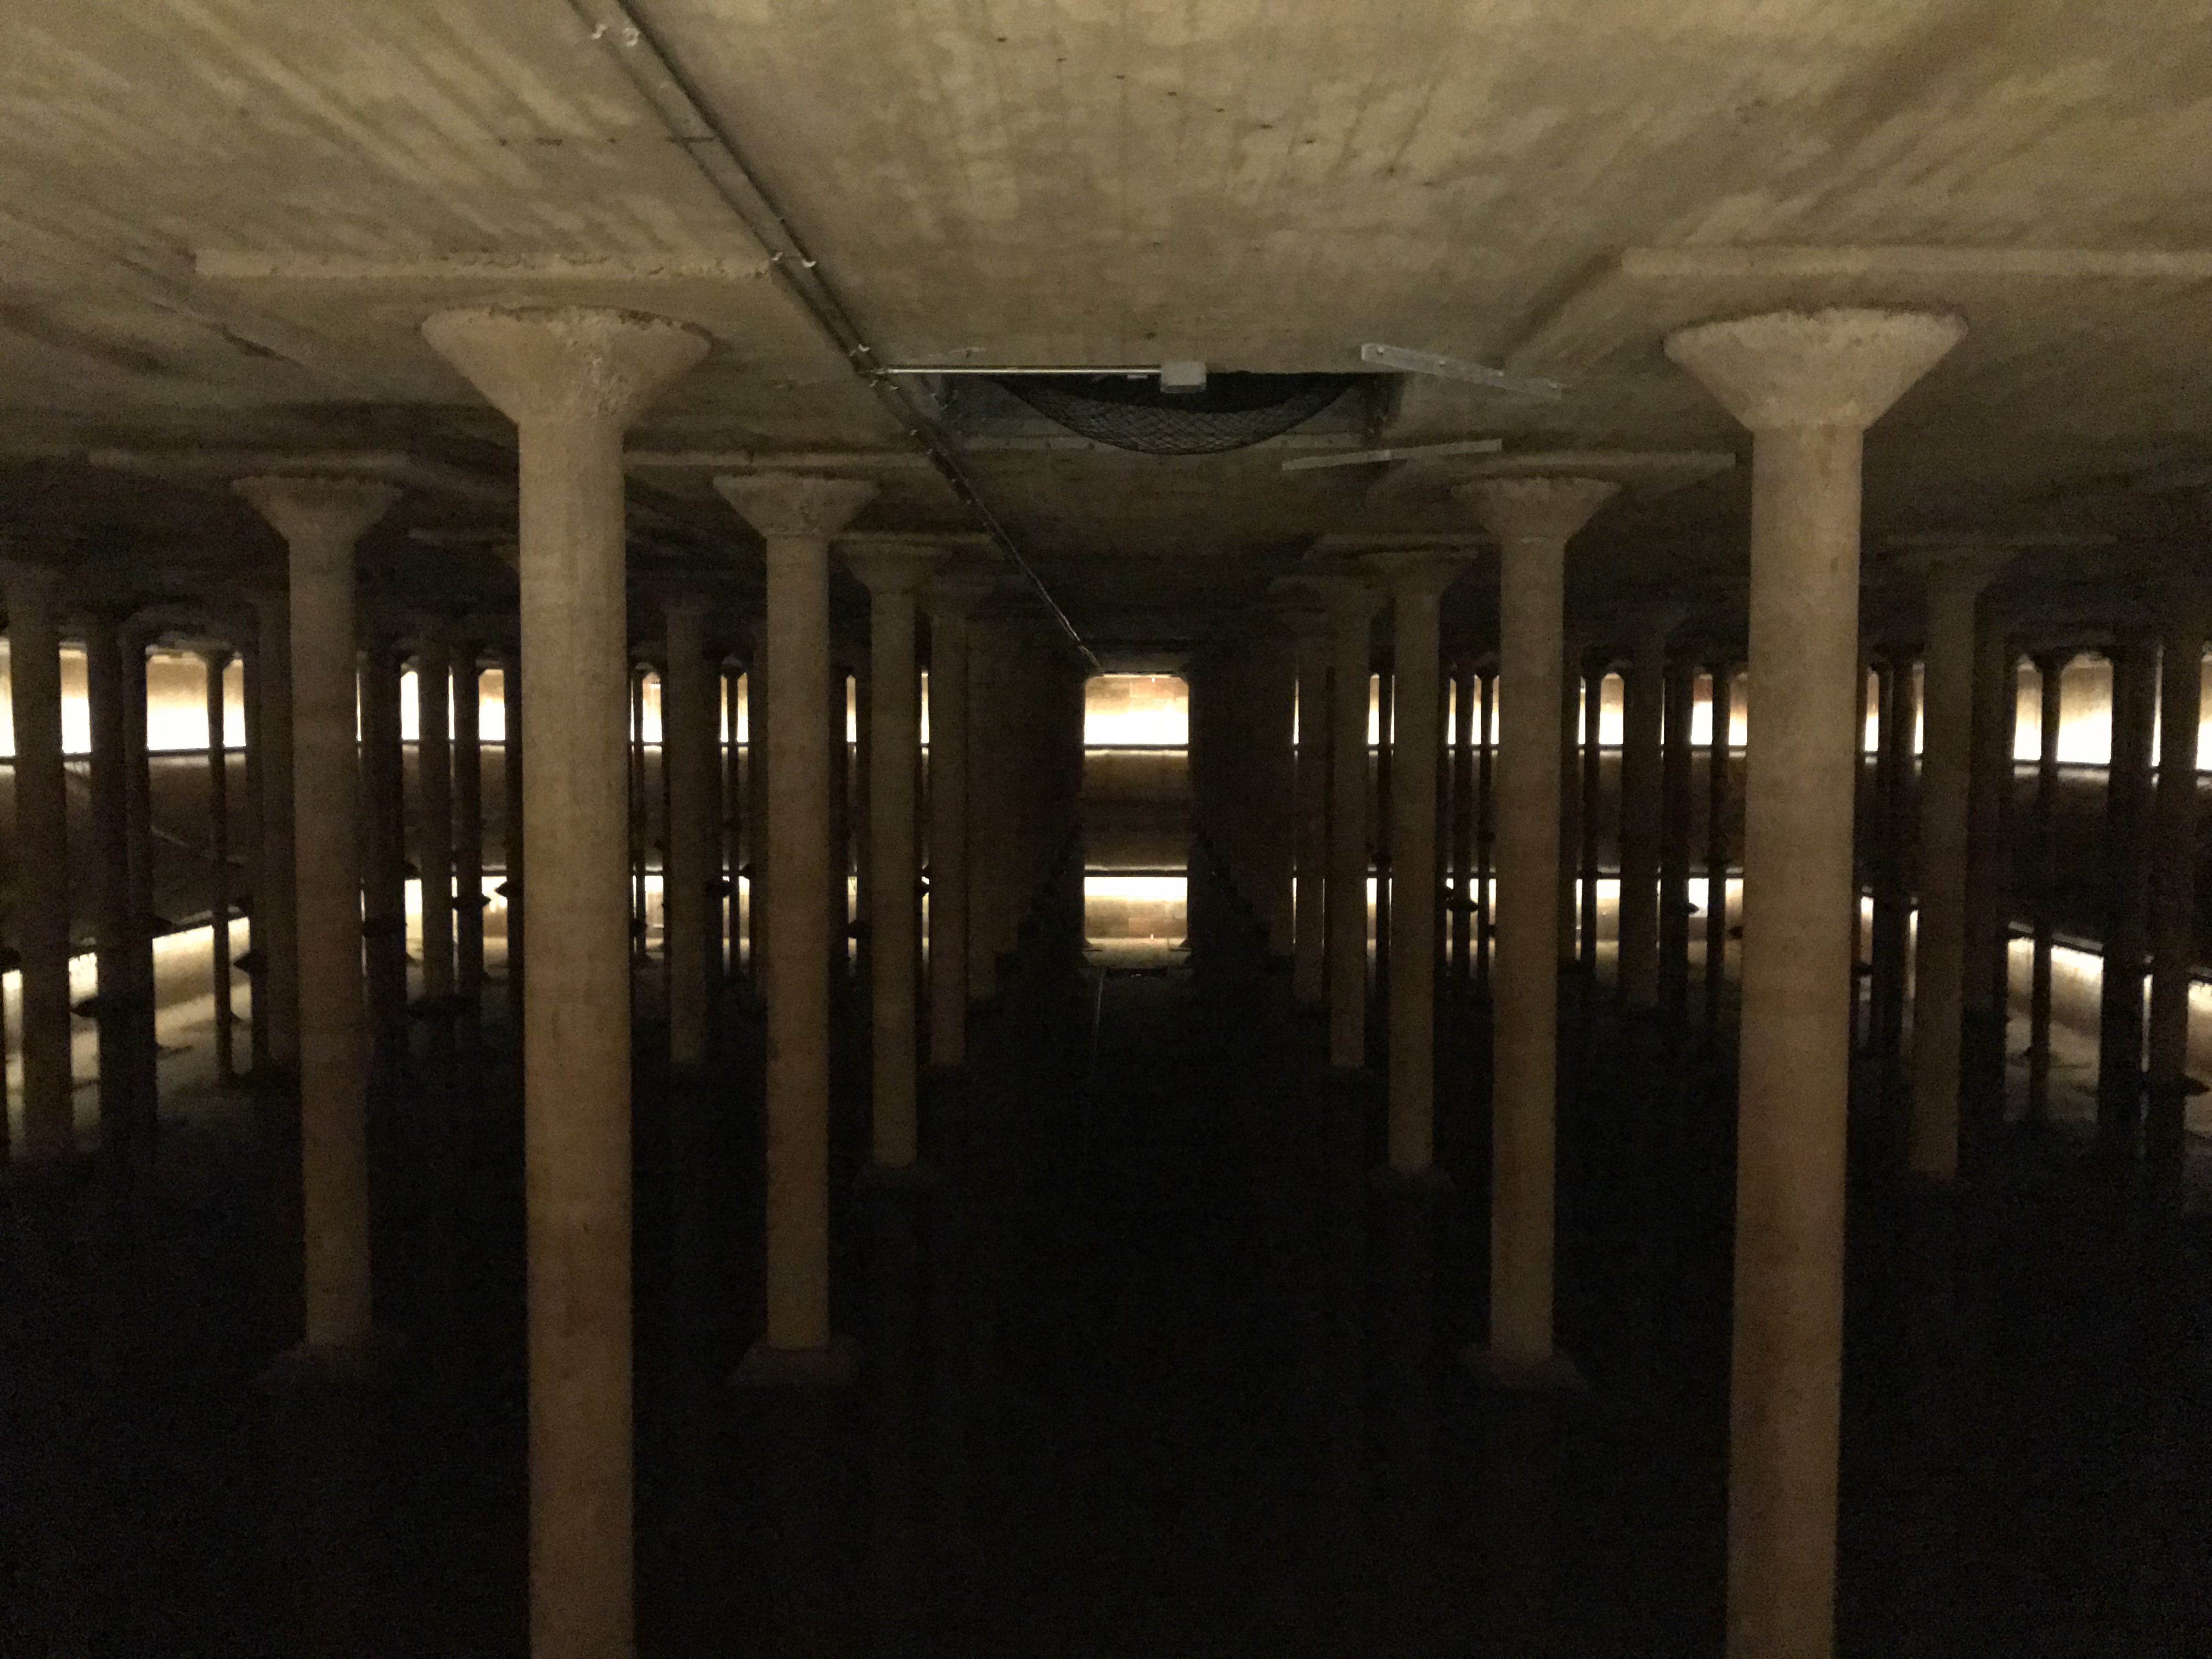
(2085, 713)
(733, 702)
(176, 704)
(1611, 695)
(1136, 711)
(1135, 916)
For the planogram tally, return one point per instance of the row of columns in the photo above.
(119, 858)
(1004, 759)
(1807, 386)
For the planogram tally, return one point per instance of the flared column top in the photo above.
(1840, 367)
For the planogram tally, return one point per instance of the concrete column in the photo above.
(1675, 803)
(1460, 693)
(383, 847)
(636, 819)
(572, 381)
(949, 600)
(893, 574)
(863, 807)
(1486, 819)
(1417, 582)
(2127, 859)
(1309, 928)
(138, 836)
(1808, 387)
(1352, 605)
(2051, 670)
(511, 778)
(756, 771)
(687, 758)
(1378, 836)
(1894, 792)
(1955, 576)
(796, 516)
(219, 881)
(1591, 784)
(1571, 799)
(1987, 911)
(433, 844)
(275, 934)
(840, 755)
(994, 693)
(2173, 872)
(42, 859)
(1532, 519)
(730, 853)
(1717, 754)
(1270, 815)
(468, 826)
(114, 924)
(254, 854)
(1643, 806)
(321, 520)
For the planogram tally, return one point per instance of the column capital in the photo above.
(32, 579)
(794, 503)
(1347, 593)
(1837, 368)
(893, 564)
(693, 607)
(1301, 605)
(1411, 572)
(462, 638)
(565, 362)
(1537, 507)
(957, 592)
(1655, 621)
(1969, 561)
(310, 509)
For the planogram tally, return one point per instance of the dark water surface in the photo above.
(1155, 1369)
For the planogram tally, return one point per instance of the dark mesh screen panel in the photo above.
(1233, 412)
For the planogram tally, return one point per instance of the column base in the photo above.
(833, 1367)
(1556, 1375)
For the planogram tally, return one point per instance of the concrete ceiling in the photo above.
(223, 222)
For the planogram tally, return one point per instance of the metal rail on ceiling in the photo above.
(643, 58)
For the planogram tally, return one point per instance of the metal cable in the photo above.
(680, 106)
